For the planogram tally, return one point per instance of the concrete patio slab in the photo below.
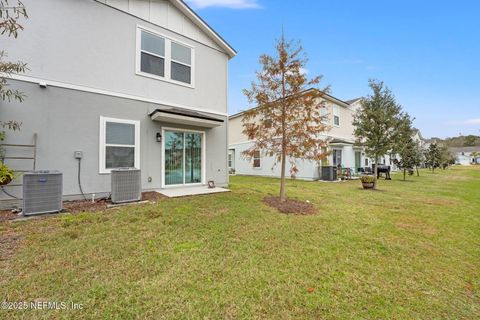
(190, 191)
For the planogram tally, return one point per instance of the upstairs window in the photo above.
(324, 114)
(164, 59)
(152, 55)
(181, 64)
(336, 116)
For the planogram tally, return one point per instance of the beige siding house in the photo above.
(343, 151)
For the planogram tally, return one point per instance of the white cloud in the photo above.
(304, 71)
(466, 122)
(472, 121)
(232, 4)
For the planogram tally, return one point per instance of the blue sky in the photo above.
(427, 52)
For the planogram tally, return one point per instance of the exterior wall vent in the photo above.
(126, 185)
(42, 192)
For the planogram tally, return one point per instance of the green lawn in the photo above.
(410, 250)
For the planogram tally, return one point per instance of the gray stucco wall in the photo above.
(87, 43)
(69, 120)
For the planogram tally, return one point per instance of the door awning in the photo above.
(337, 141)
(186, 117)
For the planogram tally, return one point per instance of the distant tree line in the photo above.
(461, 141)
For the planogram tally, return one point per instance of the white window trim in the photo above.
(259, 158)
(341, 156)
(324, 114)
(336, 113)
(103, 144)
(230, 159)
(204, 158)
(168, 58)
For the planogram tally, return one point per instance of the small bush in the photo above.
(6, 174)
(368, 179)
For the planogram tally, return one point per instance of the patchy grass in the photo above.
(410, 251)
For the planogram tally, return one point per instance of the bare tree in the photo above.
(287, 122)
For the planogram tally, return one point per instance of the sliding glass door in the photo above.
(174, 158)
(193, 158)
(183, 157)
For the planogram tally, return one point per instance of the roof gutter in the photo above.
(185, 9)
(326, 96)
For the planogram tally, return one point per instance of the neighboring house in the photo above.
(341, 139)
(466, 155)
(129, 83)
(417, 136)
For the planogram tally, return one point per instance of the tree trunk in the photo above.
(284, 141)
(404, 174)
(282, 176)
(375, 173)
(418, 172)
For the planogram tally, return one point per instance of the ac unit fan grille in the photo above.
(42, 192)
(126, 185)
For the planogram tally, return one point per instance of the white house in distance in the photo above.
(465, 155)
(341, 139)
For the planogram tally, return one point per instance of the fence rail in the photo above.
(33, 157)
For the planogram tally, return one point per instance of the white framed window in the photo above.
(119, 144)
(230, 159)
(152, 54)
(162, 58)
(336, 116)
(181, 63)
(324, 114)
(337, 157)
(256, 160)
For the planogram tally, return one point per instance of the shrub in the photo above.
(368, 179)
(6, 174)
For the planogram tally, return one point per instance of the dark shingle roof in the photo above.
(353, 100)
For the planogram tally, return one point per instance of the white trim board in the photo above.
(323, 137)
(70, 86)
(186, 10)
(190, 14)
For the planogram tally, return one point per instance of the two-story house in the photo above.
(128, 83)
(340, 134)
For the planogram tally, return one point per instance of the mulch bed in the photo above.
(78, 206)
(86, 205)
(290, 206)
(7, 215)
(152, 196)
(102, 205)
